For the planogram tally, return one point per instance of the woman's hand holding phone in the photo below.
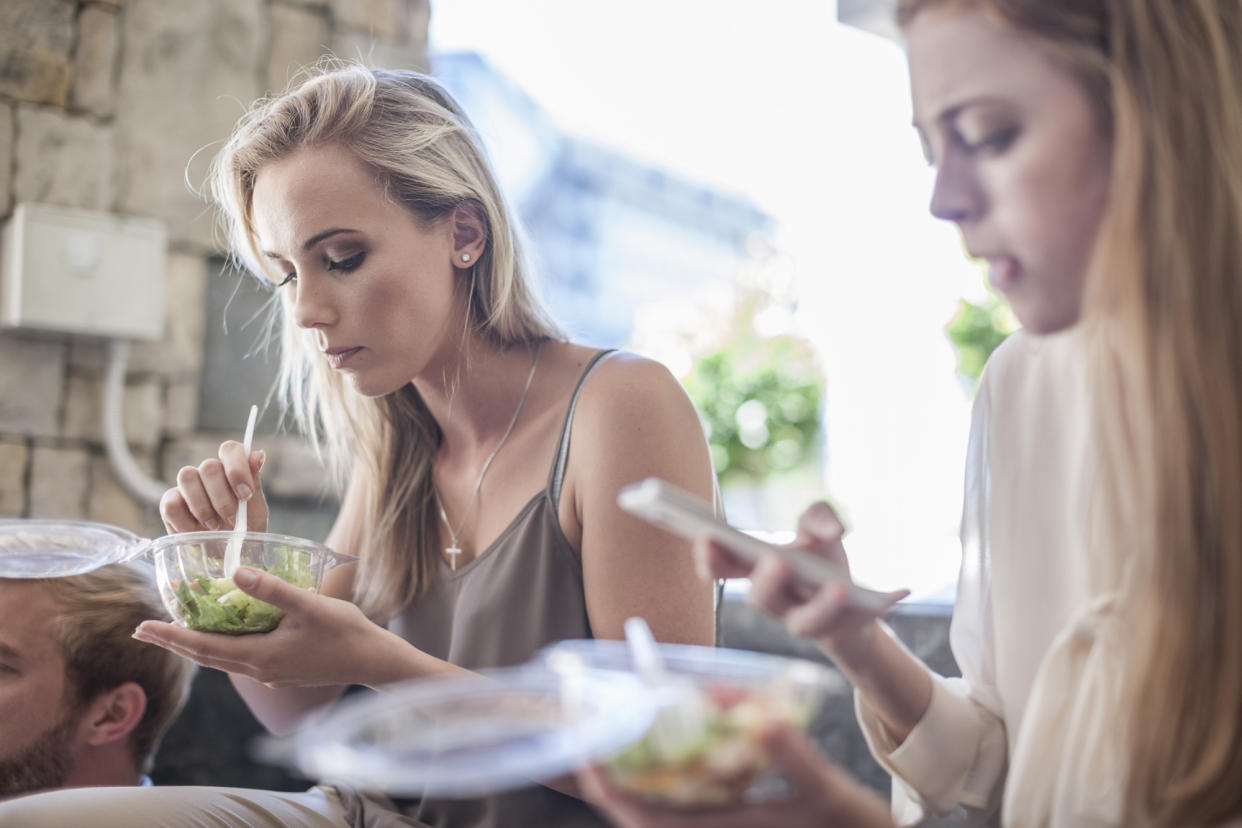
(827, 614)
(805, 584)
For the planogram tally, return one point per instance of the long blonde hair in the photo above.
(427, 157)
(1161, 322)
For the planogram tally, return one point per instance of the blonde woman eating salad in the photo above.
(479, 453)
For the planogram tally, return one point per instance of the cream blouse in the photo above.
(1021, 594)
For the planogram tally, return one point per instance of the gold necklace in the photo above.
(453, 550)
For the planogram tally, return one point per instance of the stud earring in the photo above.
(465, 257)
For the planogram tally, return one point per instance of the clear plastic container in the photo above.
(189, 567)
(196, 590)
(704, 748)
(53, 549)
(471, 735)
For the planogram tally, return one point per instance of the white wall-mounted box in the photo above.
(74, 271)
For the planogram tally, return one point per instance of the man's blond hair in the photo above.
(96, 614)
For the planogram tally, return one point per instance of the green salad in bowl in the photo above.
(705, 748)
(200, 595)
(719, 759)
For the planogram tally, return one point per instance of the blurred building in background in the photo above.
(608, 233)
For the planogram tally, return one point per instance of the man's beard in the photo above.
(44, 764)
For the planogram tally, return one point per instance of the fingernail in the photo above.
(244, 492)
(213, 524)
(262, 457)
(245, 577)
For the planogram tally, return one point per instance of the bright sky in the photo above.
(810, 120)
(708, 88)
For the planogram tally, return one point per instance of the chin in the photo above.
(1045, 319)
(369, 388)
(1041, 328)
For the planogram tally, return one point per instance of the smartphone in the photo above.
(676, 510)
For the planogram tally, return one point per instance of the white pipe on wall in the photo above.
(141, 485)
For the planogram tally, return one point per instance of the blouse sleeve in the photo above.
(956, 756)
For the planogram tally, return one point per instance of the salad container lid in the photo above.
(465, 736)
(708, 662)
(59, 548)
(53, 549)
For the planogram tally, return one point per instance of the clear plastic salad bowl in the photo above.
(470, 735)
(189, 568)
(200, 595)
(704, 748)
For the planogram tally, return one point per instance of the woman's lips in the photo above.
(339, 358)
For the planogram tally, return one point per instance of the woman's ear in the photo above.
(469, 235)
(114, 714)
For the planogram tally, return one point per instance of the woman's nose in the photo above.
(955, 196)
(313, 306)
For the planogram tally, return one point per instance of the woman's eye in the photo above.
(993, 142)
(351, 263)
(289, 277)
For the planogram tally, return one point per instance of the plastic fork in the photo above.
(682, 717)
(232, 553)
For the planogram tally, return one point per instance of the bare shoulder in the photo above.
(633, 420)
(627, 390)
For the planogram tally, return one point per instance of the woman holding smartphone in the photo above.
(1089, 151)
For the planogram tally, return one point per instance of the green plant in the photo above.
(976, 330)
(761, 401)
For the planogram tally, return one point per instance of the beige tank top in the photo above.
(522, 592)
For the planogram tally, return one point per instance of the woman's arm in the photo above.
(634, 421)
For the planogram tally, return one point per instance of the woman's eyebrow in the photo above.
(313, 240)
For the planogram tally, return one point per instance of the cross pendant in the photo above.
(452, 552)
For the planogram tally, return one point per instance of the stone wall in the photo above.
(114, 105)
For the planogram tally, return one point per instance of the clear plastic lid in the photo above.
(53, 549)
(472, 735)
(702, 663)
